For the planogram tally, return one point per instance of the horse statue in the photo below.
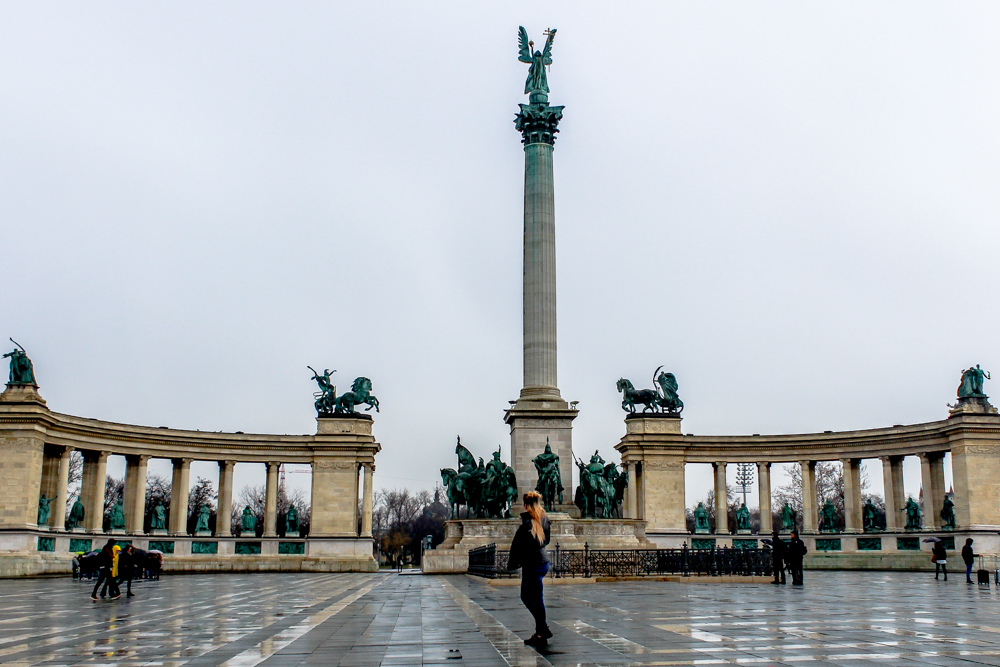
(595, 490)
(455, 487)
(631, 396)
(360, 393)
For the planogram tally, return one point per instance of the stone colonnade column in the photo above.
(179, 496)
(764, 493)
(271, 500)
(366, 502)
(95, 470)
(892, 479)
(223, 516)
(632, 497)
(135, 493)
(932, 480)
(721, 499)
(852, 495)
(58, 520)
(50, 473)
(809, 515)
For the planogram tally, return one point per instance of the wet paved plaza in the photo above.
(363, 620)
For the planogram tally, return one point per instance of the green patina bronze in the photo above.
(787, 517)
(701, 519)
(828, 518)
(116, 517)
(744, 543)
(77, 545)
(204, 514)
(166, 546)
(601, 488)
(46, 544)
(869, 517)
(204, 547)
(912, 510)
(662, 399)
(292, 548)
(487, 491)
(828, 544)
(743, 518)
(158, 518)
(971, 385)
(76, 515)
(43, 510)
(292, 520)
(549, 478)
(21, 369)
(537, 122)
(869, 544)
(948, 542)
(948, 514)
(247, 548)
(537, 84)
(249, 520)
(907, 544)
(704, 543)
(328, 403)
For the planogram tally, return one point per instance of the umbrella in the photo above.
(155, 551)
(932, 539)
(766, 541)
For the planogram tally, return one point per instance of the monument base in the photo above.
(743, 531)
(159, 532)
(78, 529)
(292, 533)
(537, 418)
(21, 393)
(974, 405)
(203, 533)
(462, 535)
(116, 531)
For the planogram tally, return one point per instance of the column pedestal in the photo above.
(532, 425)
(653, 450)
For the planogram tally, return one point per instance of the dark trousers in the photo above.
(531, 595)
(103, 577)
(796, 569)
(779, 571)
(939, 568)
(968, 572)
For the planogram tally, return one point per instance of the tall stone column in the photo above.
(95, 470)
(50, 471)
(852, 495)
(366, 501)
(58, 520)
(179, 497)
(135, 493)
(891, 502)
(764, 493)
(809, 514)
(223, 517)
(937, 487)
(540, 416)
(271, 500)
(721, 499)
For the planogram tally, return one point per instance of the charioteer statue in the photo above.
(663, 399)
(329, 404)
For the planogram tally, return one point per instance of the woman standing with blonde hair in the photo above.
(527, 552)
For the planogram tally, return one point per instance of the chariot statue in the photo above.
(328, 403)
(663, 399)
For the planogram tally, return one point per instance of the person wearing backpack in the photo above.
(527, 552)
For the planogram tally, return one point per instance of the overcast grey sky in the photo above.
(792, 206)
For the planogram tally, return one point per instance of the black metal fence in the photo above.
(490, 562)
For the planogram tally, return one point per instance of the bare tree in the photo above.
(829, 488)
(74, 480)
(255, 498)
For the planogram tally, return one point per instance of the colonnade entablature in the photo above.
(37, 443)
(655, 452)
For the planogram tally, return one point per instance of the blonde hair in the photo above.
(533, 505)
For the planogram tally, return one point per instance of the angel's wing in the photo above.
(547, 53)
(524, 48)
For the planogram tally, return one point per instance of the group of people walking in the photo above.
(114, 566)
(787, 555)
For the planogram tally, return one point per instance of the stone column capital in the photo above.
(763, 465)
(226, 463)
(133, 459)
(538, 123)
(181, 462)
(272, 464)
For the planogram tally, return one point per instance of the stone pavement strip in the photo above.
(365, 620)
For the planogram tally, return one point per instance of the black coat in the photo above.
(939, 551)
(967, 555)
(778, 549)
(795, 550)
(525, 551)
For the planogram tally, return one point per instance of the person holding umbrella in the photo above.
(939, 556)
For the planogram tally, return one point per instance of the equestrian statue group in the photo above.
(329, 404)
(487, 491)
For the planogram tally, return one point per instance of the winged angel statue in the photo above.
(537, 84)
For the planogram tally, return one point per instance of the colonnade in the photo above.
(54, 483)
(655, 454)
(932, 485)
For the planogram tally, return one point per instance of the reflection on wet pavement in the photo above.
(365, 620)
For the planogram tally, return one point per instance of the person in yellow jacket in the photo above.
(115, 591)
